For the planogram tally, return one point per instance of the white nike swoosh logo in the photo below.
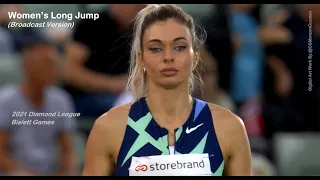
(188, 131)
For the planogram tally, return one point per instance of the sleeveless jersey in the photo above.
(144, 137)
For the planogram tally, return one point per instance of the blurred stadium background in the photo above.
(284, 141)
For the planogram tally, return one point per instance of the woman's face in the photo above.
(168, 55)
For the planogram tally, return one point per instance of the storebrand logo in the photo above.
(168, 166)
(171, 165)
(141, 168)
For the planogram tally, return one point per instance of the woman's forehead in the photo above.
(167, 31)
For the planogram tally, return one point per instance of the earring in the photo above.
(144, 70)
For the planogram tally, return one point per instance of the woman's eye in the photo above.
(180, 48)
(155, 49)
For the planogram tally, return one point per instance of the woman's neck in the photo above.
(170, 107)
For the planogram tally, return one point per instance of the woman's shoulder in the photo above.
(114, 118)
(109, 126)
(229, 128)
(225, 119)
(117, 112)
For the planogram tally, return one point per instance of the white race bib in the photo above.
(171, 165)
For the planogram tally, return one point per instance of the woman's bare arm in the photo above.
(233, 141)
(98, 161)
(239, 162)
(104, 141)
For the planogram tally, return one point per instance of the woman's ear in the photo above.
(140, 59)
(196, 59)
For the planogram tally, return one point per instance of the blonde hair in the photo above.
(137, 82)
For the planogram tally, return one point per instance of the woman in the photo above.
(166, 131)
